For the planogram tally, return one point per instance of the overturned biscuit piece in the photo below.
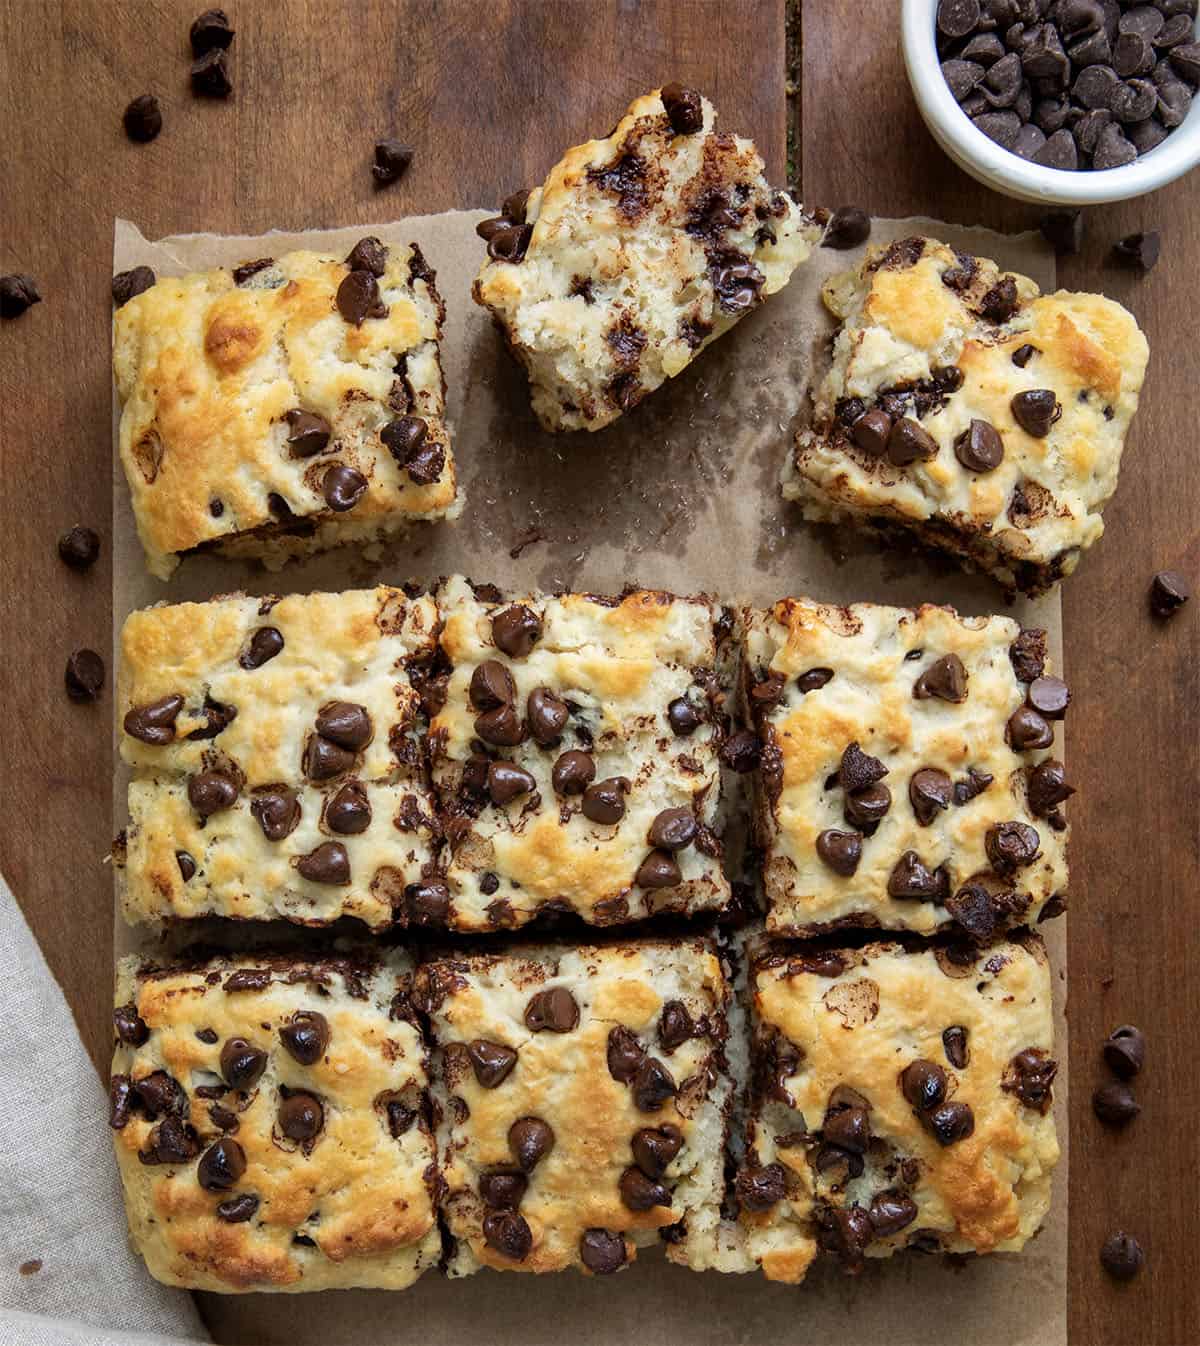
(902, 1099)
(583, 1099)
(271, 1123)
(985, 418)
(283, 407)
(635, 253)
(575, 755)
(908, 776)
(278, 766)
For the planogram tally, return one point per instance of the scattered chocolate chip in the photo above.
(392, 158)
(1169, 591)
(329, 864)
(625, 1054)
(264, 645)
(358, 298)
(602, 1252)
(242, 1064)
(349, 811)
(845, 1231)
(126, 285)
(1122, 1256)
(1010, 846)
(923, 1084)
(345, 723)
(491, 1062)
(813, 680)
(841, 851)
(324, 759)
(890, 1212)
(506, 782)
(509, 1234)
(865, 808)
(1125, 1051)
(84, 675)
(210, 75)
(949, 1122)
(301, 1117)
(945, 678)
(221, 1165)
(683, 718)
(741, 751)
(929, 791)
(652, 1083)
(211, 792)
(276, 809)
(858, 769)
(954, 1042)
(604, 802)
(502, 1190)
(684, 109)
(429, 902)
(509, 243)
(131, 1028)
(154, 723)
(1139, 250)
(530, 1140)
(306, 1036)
(655, 1147)
(871, 432)
(979, 448)
(1001, 301)
(1047, 787)
(404, 438)
(573, 772)
(515, 630)
(673, 829)
(79, 547)
(308, 433)
(343, 487)
(912, 880)
(547, 715)
(659, 869)
(173, 1141)
(238, 1209)
(1029, 1076)
(848, 227)
(17, 293)
(759, 1188)
(909, 442)
(210, 29)
(1049, 697)
(1115, 1104)
(143, 119)
(1027, 730)
(1027, 654)
(554, 1010)
(640, 1193)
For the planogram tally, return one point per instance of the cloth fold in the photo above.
(60, 1196)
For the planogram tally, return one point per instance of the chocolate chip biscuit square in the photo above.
(583, 1099)
(284, 406)
(908, 772)
(964, 406)
(575, 755)
(636, 252)
(276, 749)
(271, 1122)
(902, 1099)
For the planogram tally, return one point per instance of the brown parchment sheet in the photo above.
(680, 494)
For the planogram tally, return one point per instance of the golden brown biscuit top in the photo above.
(838, 1030)
(287, 1155)
(919, 691)
(530, 1036)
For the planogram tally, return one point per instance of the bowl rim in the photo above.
(1178, 153)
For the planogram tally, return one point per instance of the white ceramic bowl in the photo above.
(1003, 171)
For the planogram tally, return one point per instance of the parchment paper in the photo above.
(680, 494)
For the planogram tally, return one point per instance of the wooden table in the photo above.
(488, 94)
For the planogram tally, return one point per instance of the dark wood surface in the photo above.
(489, 94)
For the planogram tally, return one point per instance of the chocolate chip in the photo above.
(276, 808)
(929, 791)
(210, 29)
(625, 1054)
(1002, 83)
(211, 792)
(358, 298)
(143, 118)
(974, 783)
(329, 863)
(306, 1036)
(349, 811)
(217, 718)
(429, 902)
(1125, 1051)
(426, 465)
(604, 802)
(343, 487)
(912, 880)
(1027, 653)
(923, 1084)
(640, 1193)
(1027, 730)
(324, 759)
(857, 768)
(684, 109)
(1113, 150)
(547, 715)
(909, 442)
(1169, 591)
(659, 869)
(1058, 152)
(554, 1010)
(983, 48)
(1115, 1104)
(1132, 55)
(491, 1062)
(392, 158)
(573, 772)
(673, 829)
(1029, 1076)
(945, 678)
(264, 645)
(1002, 127)
(210, 75)
(530, 1140)
(308, 432)
(890, 1212)
(128, 284)
(741, 751)
(954, 1042)
(683, 718)
(1011, 846)
(1122, 1256)
(848, 227)
(962, 76)
(301, 1117)
(865, 808)
(160, 1094)
(84, 675)
(849, 1128)
(972, 909)
(655, 1147)
(845, 1231)
(513, 206)
(510, 243)
(248, 979)
(506, 782)
(871, 432)
(950, 1122)
(602, 1252)
(1177, 29)
(841, 851)
(404, 437)
(1047, 787)
(813, 680)
(242, 1064)
(652, 1083)
(1139, 250)
(502, 1190)
(17, 293)
(1050, 697)
(154, 723)
(516, 630)
(501, 726)
(79, 547)
(345, 723)
(509, 1234)
(131, 1028)
(957, 18)
(238, 1209)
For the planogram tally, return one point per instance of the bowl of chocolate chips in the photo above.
(1072, 102)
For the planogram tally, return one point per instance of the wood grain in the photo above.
(488, 95)
(1134, 727)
